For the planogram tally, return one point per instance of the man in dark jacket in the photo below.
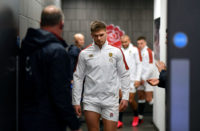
(75, 49)
(45, 77)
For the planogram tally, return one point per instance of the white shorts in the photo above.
(146, 87)
(107, 112)
(132, 87)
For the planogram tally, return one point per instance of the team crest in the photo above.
(110, 54)
(91, 55)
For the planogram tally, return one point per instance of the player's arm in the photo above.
(138, 59)
(78, 78)
(123, 71)
(150, 68)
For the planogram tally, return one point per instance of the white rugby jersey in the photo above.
(134, 61)
(147, 63)
(100, 68)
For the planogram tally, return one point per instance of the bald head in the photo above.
(125, 40)
(125, 37)
(51, 16)
(79, 40)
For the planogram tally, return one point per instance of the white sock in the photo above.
(141, 101)
(151, 102)
(140, 116)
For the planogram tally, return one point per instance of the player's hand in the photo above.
(123, 105)
(153, 82)
(137, 84)
(78, 110)
(161, 66)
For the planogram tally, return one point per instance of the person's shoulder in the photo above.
(116, 50)
(135, 49)
(149, 49)
(55, 49)
(71, 47)
(87, 48)
(145, 50)
(131, 47)
(112, 47)
(73, 50)
(55, 46)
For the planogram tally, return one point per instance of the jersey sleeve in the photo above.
(149, 67)
(78, 78)
(124, 75)
(138, 59)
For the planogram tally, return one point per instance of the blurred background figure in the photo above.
(74, 50)
(145, 91)
(134, 60)
(8, 64)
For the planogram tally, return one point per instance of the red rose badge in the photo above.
(114, 34)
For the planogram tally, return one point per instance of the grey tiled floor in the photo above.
(146, 126)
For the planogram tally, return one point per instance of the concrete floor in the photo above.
(127, 119)
(146, 126)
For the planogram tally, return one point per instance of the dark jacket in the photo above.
(163, 79)
(74, 53)
(45, 81)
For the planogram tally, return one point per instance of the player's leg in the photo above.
(132, 101)
(149, 97)
(120, 121)
(109, 125)
(110, 117)
(141, 102)
(92, 116)
(149, 93)
(134, 106)
(92, 120)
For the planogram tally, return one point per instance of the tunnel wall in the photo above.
(159, 108)
(135, 17)
(29, 13)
